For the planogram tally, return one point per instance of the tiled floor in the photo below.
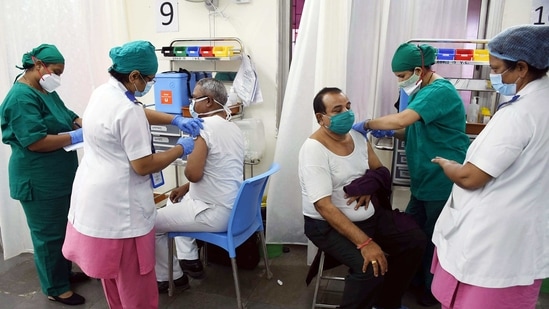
(19, 287)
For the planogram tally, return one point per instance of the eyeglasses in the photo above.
(194, 101)
(147, 79)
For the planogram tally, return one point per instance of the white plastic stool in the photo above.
(319, 277)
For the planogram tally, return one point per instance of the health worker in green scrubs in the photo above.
(41, 172)
(433, 123)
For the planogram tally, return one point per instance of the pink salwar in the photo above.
(453, 294)
(125, 266)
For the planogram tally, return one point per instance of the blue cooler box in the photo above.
(172, 90)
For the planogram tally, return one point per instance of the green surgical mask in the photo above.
(342, 122)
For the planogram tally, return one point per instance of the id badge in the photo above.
(157, 179)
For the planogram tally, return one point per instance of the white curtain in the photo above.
(84, 32)
(352, 52)
(319, 61)
(374, 39)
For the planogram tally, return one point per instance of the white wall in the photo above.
(516, 12)
(255, 23)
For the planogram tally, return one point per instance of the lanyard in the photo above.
(513, 99)
(132, 98)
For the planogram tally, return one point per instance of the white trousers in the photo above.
(185, 216)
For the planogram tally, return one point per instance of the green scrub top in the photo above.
(439, 132)
(28, 115)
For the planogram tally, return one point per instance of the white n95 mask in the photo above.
(50, 82)
(411, 85)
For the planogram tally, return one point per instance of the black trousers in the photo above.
(398, 236)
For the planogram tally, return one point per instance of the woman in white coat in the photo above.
(110, 233)
(492, 238)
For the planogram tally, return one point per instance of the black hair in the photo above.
(29, 66)
(121, 77)
(318, 101)
(535, 72)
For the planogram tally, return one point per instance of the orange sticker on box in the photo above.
(166, 97)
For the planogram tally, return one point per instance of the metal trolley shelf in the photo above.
(165, 137)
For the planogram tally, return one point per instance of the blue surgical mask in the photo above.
(502, 88)
(148, 87)
(342, 123)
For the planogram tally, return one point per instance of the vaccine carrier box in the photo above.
(172, 91)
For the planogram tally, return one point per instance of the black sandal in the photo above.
(73, 300)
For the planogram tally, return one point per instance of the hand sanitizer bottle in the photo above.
(232, 98)
(473, 110)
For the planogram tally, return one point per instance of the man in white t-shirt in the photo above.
(214, 171)
(381, 254)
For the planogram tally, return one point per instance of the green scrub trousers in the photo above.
(47, 221)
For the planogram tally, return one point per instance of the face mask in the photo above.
(194, 114)
(499, 86)
(342, 122)
(148, 87)
(50, 82)
(411, 85)
(191, 110)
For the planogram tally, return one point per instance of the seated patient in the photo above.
(382, 256)
(214, 171)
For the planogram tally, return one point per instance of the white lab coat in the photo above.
(498, 236)
(109, 200)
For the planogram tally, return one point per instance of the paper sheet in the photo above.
(73, 146)
(246, 84)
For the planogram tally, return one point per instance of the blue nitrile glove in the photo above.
(359, 127)
(187, 143)
(382, 133)
(76, 136)
(190, 126)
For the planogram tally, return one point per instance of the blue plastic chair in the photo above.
(245, 220)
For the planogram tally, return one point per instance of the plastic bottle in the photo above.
(473, 110)
(232, 98)
(485, 115)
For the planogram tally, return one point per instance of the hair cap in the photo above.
(136, 55)
(46, 53)
(409, 56)
(529, 43)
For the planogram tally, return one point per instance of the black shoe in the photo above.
(182, 282)
(77, 277)
(427, 299)
(193, 268)
(73, 300)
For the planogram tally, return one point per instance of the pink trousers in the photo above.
(130, 289)
(453, 294)
(125, 267)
